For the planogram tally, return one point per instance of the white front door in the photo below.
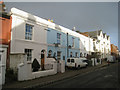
(3, 53)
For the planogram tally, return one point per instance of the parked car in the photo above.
(76, 62)
(85, 60)
(111, 59)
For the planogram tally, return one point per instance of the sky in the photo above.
(85, 16)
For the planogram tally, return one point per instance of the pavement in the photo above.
(38, 82)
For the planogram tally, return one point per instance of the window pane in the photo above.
(29, 54)
(72, 60)
(68, 60)
(58, 38)
(28, 33)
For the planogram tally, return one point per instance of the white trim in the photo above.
(30, 41)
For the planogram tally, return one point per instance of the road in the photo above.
(106, 77)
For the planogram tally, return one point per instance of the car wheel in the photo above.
(78, 66)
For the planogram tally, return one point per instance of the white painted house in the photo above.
(86, 45)
(28, 35)
(101, 43)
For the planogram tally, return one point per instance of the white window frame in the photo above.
(28, 35)
(29, 54)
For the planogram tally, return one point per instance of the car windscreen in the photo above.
(68, 60)
(72, 60)
(84, 60)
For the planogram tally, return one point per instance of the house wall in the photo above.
(114, 50)
(107, 48)
(52, 38)
(16, 59)
(86, 44)
(5, 33)
(18, 41)
(3, 56)
(104, 45)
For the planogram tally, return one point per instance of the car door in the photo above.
(81, 63)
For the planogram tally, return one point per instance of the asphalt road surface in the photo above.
(106, 77)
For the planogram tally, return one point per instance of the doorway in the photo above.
(58, 55)
(42, 59)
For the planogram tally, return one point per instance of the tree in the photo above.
(35, 65)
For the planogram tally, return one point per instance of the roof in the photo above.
(85, 34)
(93, 33)
(15, 11)
(104, 34)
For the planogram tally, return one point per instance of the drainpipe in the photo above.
(67, 47)
(89, 45)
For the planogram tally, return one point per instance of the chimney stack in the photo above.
(73, 29)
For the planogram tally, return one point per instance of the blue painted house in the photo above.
(62, 45)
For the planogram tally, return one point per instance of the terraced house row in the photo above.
(40, 39)
(33, 35)
(27, 39)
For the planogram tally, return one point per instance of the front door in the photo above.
(42, 59)
(58, 55)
